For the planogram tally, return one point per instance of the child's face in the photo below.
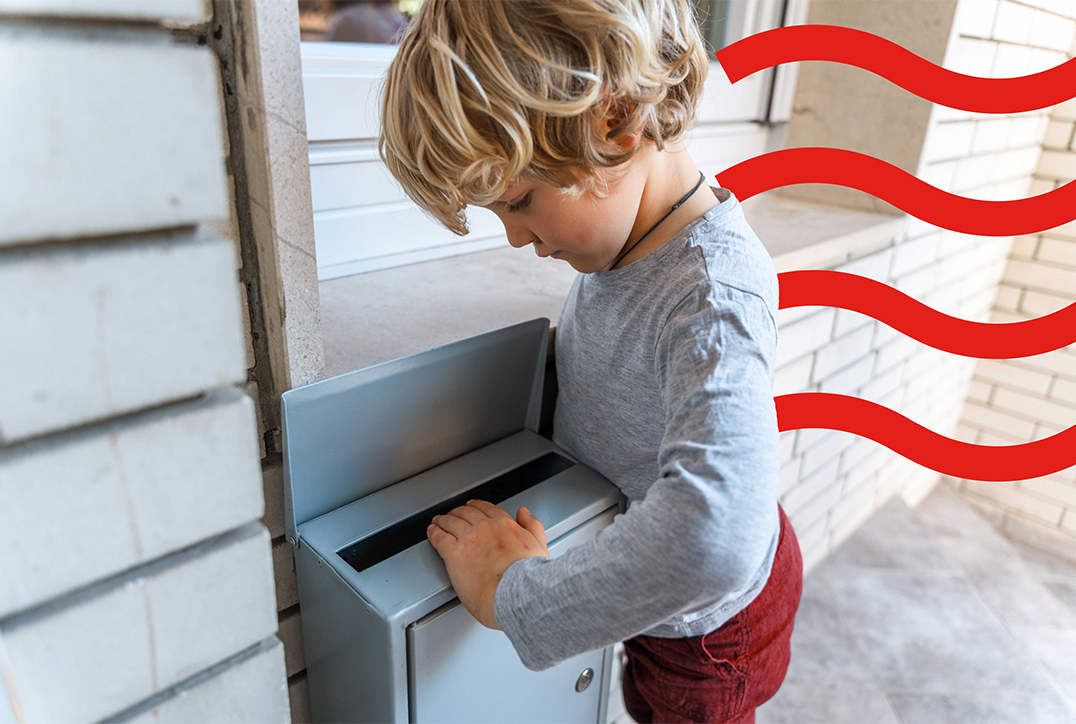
(587, 232)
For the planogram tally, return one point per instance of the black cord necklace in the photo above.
(676, 206)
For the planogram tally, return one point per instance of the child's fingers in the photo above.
(531, 524)
(452, 525)
(439, 538)
(493, 511)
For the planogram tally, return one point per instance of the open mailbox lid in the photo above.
(352, 435)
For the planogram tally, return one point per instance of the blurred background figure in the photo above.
(368, 21)
(352, 21)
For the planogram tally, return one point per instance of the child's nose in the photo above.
(519, 238)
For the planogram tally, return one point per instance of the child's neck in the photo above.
(669, 174)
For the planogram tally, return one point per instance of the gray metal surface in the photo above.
(349, 436)
(356, 668)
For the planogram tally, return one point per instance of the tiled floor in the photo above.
(929, 616)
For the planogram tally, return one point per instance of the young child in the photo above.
(565, 118)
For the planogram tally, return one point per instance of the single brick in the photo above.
(1011, 60)
(84, 165)
(1039, 304)
(1041, 276)
(1057, 164)
(1026, 131)
(176, 12)
(1058, 135)
(995, 420)
(1057, 251)
(1003, 373)
(102, 330)
(1034, 407)
(874, 266)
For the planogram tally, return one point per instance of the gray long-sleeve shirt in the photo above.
(665, 374)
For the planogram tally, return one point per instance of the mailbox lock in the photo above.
(584, 679)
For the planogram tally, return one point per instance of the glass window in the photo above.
(712, 16)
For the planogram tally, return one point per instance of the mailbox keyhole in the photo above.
(584, 679)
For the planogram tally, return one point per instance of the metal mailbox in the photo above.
(369, 458)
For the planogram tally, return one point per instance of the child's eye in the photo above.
(521, 204)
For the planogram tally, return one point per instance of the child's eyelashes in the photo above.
(521, 204)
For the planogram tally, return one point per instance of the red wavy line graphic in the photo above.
(900, 66)
(913, 196)
(957, 459)
(900, 188)
(816, 287)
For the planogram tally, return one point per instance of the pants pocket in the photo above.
(683, 676)
(727, 647)
(717, 697)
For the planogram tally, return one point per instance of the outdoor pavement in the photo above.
(930, 616)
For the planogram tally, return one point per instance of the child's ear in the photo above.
(616, 113)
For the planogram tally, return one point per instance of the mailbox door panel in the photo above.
(461, 671)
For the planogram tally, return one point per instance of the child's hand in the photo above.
(478, 542)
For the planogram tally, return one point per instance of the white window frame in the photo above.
(364, 222)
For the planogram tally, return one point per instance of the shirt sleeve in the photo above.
(703, 529)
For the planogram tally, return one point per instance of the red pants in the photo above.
(723, 675)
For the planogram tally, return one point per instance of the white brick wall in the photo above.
(136, 579)
(830, 482)
(1015, 401)
(1021, 400)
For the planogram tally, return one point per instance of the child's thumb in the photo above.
(527, 521)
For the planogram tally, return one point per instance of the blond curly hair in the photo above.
(484, 92)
